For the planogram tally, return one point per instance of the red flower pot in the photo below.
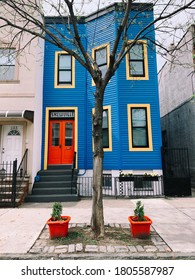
(58, 228)
(140, 229)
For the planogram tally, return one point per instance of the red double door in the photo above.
(61, 142)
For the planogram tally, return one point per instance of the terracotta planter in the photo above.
(140, 229)
(58, 228)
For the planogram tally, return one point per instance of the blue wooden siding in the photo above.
(66, 97)
(140, 92)
(118, 94)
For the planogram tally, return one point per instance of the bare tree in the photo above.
(28, 16)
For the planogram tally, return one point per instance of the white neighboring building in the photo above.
(177, 98)
(21, 78)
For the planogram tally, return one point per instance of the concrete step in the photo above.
(50, 191)
(53, 184)
(59, 167)
(55, 178)
(56, 172)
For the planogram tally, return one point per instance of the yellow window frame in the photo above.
(107, 47)
(109, 149)
(146, 76)
(149, 126)
(56, 85)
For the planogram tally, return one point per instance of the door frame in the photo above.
(2, 134)
(46, 147)
(61, 153)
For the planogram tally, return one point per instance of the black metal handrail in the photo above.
(22, 169)
(20, 175)
(73, 173)
(11, 179)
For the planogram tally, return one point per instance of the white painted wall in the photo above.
(25, 92)
(176, 77)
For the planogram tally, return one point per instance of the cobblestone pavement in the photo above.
(42, 246)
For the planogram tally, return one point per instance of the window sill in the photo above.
(10, 82)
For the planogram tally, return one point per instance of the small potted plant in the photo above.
(125, 177)
(58, 224)
(140, 224)
(150, 177)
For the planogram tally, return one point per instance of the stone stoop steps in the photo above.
(54, 184)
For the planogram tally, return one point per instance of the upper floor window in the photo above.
(7, 64)
(101, 56)
(64, 70)
(137, 62)
(140, 133)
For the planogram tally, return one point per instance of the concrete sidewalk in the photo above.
(173, 219)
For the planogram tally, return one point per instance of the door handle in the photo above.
(60, 146)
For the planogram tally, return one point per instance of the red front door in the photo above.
(61, 142)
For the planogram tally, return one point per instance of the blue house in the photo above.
(131, 118)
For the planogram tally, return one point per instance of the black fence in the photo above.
(6, 183)
(135, 186)
(11, 181)
(176, 170)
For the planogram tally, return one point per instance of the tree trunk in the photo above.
(97, 219)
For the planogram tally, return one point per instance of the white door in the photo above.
(12, 143)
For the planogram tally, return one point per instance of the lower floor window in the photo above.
(107, 181)
(139, 125)
(106, 128)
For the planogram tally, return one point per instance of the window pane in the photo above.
(14, 132)
(7, 64)
(139, 117)
(68, 134)
(105, 119)
(100, 56)
(139, 137)
(6, 73)
(7, 56)
(136, 68)
(55, 134)
(64, 62)
(105, 129)
(136, 52)
(105, 138)
(65, 77)
(103, 68)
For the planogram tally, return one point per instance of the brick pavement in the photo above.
(43, 246)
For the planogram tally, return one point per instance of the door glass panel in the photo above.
(68, 134)
(14, 132)
(55, 134)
